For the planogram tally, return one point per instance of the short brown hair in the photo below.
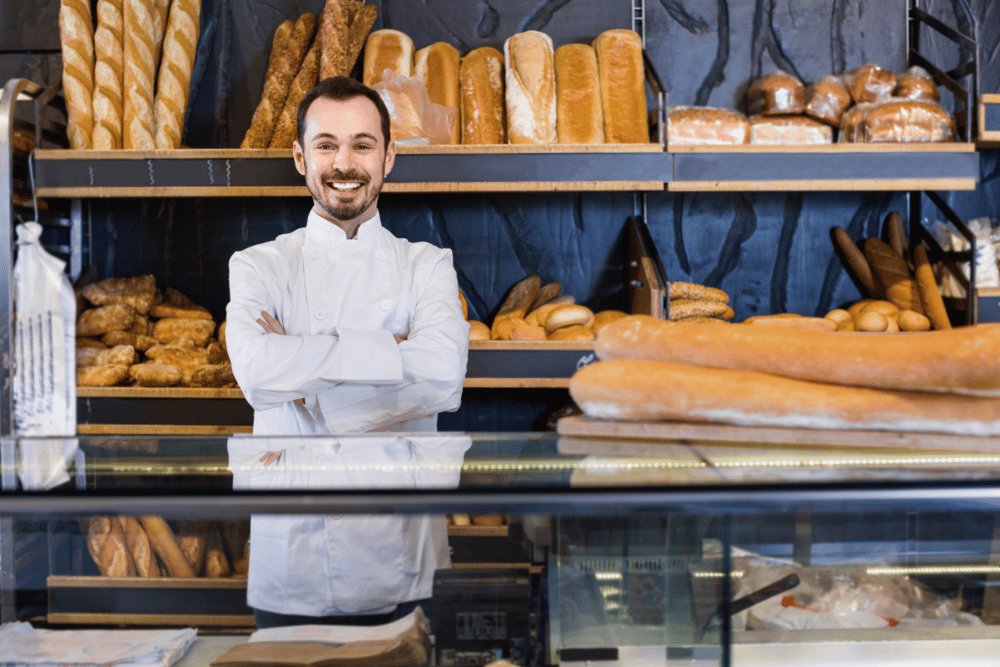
(342, 88)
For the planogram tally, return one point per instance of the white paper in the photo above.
(343, 634)
(21, 645)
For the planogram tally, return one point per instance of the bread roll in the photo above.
(180, 43)
(567, 316)
(682, 308)
(623, 87)
(110, 375)
(481, 76)
(387, 49)
(776, 93)
(76, 32)
(437, 66)
(650, 390)
(530, 94)
(108, 76)
(705, 126)
(605, 317)
(961, 360)
(916, 84)
(680, 289)
(788, 130)
(907, 121)
(575, 332)
(478, 330)
(870, 83)
(579, 114)
(527, 331)
(827, 100)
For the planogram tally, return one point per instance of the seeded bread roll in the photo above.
(776, 93)
(108, 76)
(387, 49)
(76, 32)
(437, 66)
(579, 113)
(481, 77)
(530, 94)
(174, 84)
(623, 89)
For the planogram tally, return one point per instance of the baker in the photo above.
(340, 327)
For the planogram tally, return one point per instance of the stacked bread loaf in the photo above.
(136, 334)
(148, 546)
(476, 520)
(127, 79)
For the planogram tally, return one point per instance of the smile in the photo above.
(344, 187)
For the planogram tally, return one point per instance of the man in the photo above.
(340, 327)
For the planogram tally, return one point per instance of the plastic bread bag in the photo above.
(907, 121)
(45, 362)
(916, 84)
(870, 83)
(777, 93)
(827, 99)
(414, 119)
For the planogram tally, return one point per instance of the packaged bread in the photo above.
(387, 49)
(483, 110)
(850, 123)
(916, 84)
(579, 113)
(623, 86)
(76, 33)
(870, 83)
(437, 66)
(705, 126)
(827, 99)
(778, 130)
(907, 121)
(776, 93)
(530, 94)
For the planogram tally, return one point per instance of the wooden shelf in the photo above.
(989, 122)
(479, 531)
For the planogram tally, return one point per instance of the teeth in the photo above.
(346, 186)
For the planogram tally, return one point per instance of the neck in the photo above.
(350, 227)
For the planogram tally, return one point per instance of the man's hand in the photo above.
(271, 457)
(399, 339)
(270, 324)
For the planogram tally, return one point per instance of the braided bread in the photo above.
(108, 46)
(137, 129)
(179, 45)
(76, 32)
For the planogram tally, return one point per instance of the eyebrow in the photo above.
(362, 135)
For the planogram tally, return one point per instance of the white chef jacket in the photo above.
(339, 370)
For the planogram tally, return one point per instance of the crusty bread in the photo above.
(481, 76)
(870, 83)
(850, 123)
(115, 558)
(108, 76)
(930, 295)
(76, 33)
(139, 77)
(705, 126)
(174, 83)
(387, 49)
(788, 130)
(652, 390)
(286, 127)
(161, 9)
(579, 113)
(623, 88)
(893, 275)
(437, 66)
(166, 546)
(332, 36)
(361, 24)
(961, 360)
(139, 547)
(530, 94)
(857, 262)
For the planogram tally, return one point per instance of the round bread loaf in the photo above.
(478, 330)
(568, 315)
(606, 317)
(576, 332)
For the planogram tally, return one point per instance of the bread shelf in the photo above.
(989, 121)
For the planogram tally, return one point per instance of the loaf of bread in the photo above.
(930, 295)
(191, 538)
(870, 83)
(827, 99)
(655, 390)
(166, 547)
(530, 94)
(437, 66)
(173, 85)
(108, 76)
(623, 86)
(286, 127)
(333, 36)
(362, 20)
(387, 49)
(139, 76)
(518, 300)
(907, 121)
(705, 126)
(961, 360)
(579, 114)
(857, 262)
(160, 11)
(76, 32)
(139, 547)
(216, 563)
(916, 84)
(893, 275)
(97, 529)
(791, 130)
(776, 93)
(851, 121)
(115, 558)
(481, 76)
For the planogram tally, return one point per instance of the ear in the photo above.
(300, 162)
(390, 157)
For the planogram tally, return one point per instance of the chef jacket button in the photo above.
(385, 304)
(322, 459)
(316, 253)
(320, 314)
(380, 256)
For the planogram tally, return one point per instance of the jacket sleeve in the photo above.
(273, 369)
(434, 358)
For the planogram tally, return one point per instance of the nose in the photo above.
(342, 158)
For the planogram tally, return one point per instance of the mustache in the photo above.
(349, 175)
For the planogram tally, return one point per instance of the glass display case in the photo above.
(564, 550)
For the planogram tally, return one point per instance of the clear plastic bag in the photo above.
(415, 120)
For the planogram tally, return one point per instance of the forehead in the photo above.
(343, 118)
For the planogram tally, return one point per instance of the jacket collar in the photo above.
(325, 232)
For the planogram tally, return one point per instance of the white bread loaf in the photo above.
(76, 33)
(108, 75)
(961, 360)
(656, 390)
(579, 112)
(705, 126)
(481, 80)
(623, 88)
(788, 130)
(387, 49)
(437, 66)
(139, 77)
(180, 44)
(530, 94)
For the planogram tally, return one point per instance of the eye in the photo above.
(364, 147)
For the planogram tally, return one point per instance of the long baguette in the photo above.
(76, 32)
(962, 360)
(116, 560)
(333, 36)
(174, 83)
(140, 547)
(139, 77)
(654, 390)
(285, 130)
(361, 25)
(108, 75)
(166, 547)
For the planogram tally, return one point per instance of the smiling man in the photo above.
(340, 327)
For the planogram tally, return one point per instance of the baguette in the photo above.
(139, 546)
(961, 360)
(895, 235)
(518, 300)
(166, 547)
(161, 9)
(481, 76)
(180, 44)
(191, 537)
(437, 66)
(115, 559)
(387, 49)
(579, 114)
(216, 563)
(108, 76)
(930, 295)
(332, 37)
(893, 275)
(546, 293)
(623, 88)
(361, 24)
(530, 95)
(652, 390)
(286, 128)
(98, 528)
(138, 122)
(857, 262)
(76, 33)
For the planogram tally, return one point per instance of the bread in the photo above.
(216, 563)
(650, 390)
(518, 300)
(916, 84)
(621, 73)
(895, 235)
(681, 308)
(154, 375)
(812, 323)
(827, 99)
(579, 113)
(850, 123)
(575, 332)
(437, 66)
(176, 304)
(76, 33)
(870, 83)
(907, 121)
(930, 295)
(568, 315)
(281, 72)
(138, 122)
(124, 355)
(483, 112)
(99, 321)
(332, 38)
(909, 320)
(962, 360)
(173, 85)
(169, 330)
(101, 376)
(705, 126)
(488, 520)
(525, 331)
(97, 529)
(361, 24)
(545, 293)
(605, 317)
(139, 547)
(286, 127)
(680, 289)
(166, 547)
(788, 130)
(115, 558)
(530, 94)
(538, 315)
(387, 49)
(140, 292)
(857, 262)
(160, 11)
(191, 537)
(478, 330)
(212, 375)
(108, 76)
(776, 93)
(893, 275)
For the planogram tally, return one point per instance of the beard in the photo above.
(327, 199)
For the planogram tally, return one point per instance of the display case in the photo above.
(664, 551)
